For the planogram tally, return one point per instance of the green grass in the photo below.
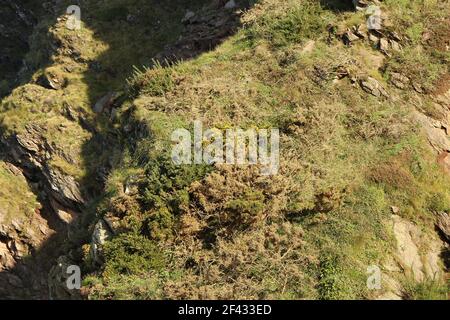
(17, 201)
(427, 290)
(346, 159)
(424, 61)
(225, 231)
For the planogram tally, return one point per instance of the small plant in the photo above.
(426, 290)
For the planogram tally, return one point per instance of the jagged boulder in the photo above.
(437, 136)
(204, 30)
(17, 20)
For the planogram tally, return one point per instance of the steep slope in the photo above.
(363, 118)
(358, 184)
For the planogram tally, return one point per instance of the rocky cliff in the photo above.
(86, 177)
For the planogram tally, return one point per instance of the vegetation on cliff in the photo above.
(352, 153)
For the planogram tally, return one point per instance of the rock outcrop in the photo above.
(417, 257)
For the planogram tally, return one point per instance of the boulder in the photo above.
(64, 214)
(7, 261)
(372, 86)
(53, 80)
(437, 137)
(188, 16)
(361, 31)
(102, 233)
(374, 39)
(443, 224)
(395, 46)
(384, 46)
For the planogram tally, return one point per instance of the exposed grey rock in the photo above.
(417, 87)
(51, 81)
(373, 38)
(360, 4)
(188, 16)
(350, 37)
(395, 36)
(105, 102)
(443, 224)
(419, 265)
(31, 150)
(360, 31)
(395, 209)
(363, 4)
(204, 30)
(7, 260)
(399, 80)
(437, 137)
(395, 45)
(65, 188)
(64, 214)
